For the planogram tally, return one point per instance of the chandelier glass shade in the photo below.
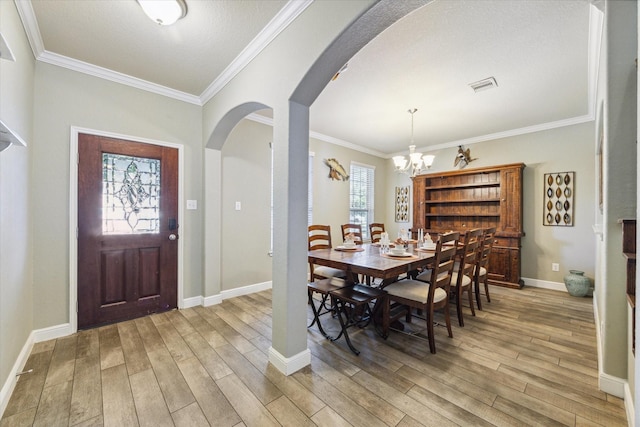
(417, 163)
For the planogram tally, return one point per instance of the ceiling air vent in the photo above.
(484, 84)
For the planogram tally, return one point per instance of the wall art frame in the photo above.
(559, 191)
(402, 204)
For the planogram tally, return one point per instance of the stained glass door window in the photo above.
(130, 194)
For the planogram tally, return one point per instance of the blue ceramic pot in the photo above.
(577, 284)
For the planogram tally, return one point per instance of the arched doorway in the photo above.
(291, 133)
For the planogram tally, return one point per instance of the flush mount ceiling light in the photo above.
(480, 85)
(417, 163)
(164, 12)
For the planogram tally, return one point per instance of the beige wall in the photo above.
(16, 104)
(557, 150)
(246, 178)
(620, 129)
(331, 197)
(66, 98)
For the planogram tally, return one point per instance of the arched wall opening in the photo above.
(291, 141)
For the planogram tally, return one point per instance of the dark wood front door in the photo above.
(127, 229)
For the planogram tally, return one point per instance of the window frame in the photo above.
(369, 190)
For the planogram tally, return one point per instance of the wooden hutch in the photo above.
(476, 198)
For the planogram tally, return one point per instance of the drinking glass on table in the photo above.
(384, 243)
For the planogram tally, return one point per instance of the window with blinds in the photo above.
(361, 188)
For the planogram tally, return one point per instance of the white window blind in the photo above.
(361, 190)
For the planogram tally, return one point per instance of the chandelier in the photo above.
(417, 163)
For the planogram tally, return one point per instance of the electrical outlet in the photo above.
(555, 266)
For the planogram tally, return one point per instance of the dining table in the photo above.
(368, 260)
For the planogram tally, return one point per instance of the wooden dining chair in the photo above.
(375, 231)
(320, 238)
(482, 265)
(405, 295)
(463, 272)
(355, 229)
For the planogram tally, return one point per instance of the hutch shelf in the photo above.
(476, 198)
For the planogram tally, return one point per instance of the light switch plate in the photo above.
(192, 204)
(238, 206)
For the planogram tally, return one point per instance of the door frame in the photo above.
(73, 212)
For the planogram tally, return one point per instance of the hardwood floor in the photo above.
(529, 358)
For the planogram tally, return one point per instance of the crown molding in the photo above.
(279, 22)
(506, 134)
(289, 13)
(114, 76)
(322, 137)
(596, 27)
(30, 24)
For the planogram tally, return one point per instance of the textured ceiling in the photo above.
(538, 51)
(117, 35)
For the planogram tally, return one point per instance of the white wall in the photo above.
(16, 103)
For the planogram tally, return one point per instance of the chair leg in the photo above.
(459, 309)
(473, 311)
(344, 324)
(316, 314)
(432, 340)
(486, 288)
(447, 320)
(477, 290)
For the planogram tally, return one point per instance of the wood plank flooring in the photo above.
(529, 358)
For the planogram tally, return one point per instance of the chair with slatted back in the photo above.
(482, 264)
(405, 295)
(352, 229)
(375, 231)
(463, 273)
(320, 238)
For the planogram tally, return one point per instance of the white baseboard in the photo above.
(37, 335)
(212, 300)
(18, 366)
(607, 383)
(236, 292)
(246, 290)
(192, 302)
(52, 332)
(545, 284)
(612, 385)
(629, 405)
(289, 365)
